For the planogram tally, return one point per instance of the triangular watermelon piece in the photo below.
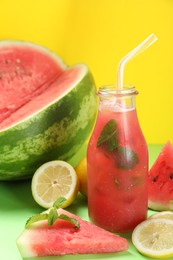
(160, 180)
(62, 238)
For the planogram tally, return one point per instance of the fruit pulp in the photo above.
(117, 185)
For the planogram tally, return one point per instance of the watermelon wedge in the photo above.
(160, 181)
(63, 239)
(47, 110)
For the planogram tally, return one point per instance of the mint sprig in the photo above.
(35, 218)
(72, 220)
(59, 202)
(125, 157)
(108, 136)
(52, 215)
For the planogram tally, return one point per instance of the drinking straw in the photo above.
(136, 51)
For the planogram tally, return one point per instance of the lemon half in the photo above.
(163, 214)
(81, 170)
(154, 237)
(52, 180)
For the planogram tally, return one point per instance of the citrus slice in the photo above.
(52, 180)
(153, 238)
(163, 214)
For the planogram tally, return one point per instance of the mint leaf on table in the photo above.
(126, 158)
(52, 215)
(108, 136)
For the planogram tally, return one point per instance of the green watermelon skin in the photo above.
(57, 131)
(41, 240)
(160, 181)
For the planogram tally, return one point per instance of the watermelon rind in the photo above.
(158, 206)
(55, 132)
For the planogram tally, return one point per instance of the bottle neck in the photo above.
(117, 100)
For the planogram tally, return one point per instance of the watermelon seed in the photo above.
(171, 176)
(155, 178)
(7, 61)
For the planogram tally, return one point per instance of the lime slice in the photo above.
(52, 180)
(163, 214)
(153, 238)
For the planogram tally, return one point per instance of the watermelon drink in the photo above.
(117, 160)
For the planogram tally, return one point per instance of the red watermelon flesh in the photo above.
(43, 96)
(26, 71)
(160, 186)
(62, 238)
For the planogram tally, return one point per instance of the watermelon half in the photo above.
(47, 110)
(160, 183)
(63, 239)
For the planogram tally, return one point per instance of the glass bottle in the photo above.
(117, 159)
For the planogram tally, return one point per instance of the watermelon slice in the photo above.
(47, 110)
(62, 238)
(160, 183)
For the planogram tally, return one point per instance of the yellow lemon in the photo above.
(81, 171)
(154, 237)
(52, 180)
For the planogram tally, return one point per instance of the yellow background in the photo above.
(99, 33)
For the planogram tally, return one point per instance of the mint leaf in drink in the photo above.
(108, 136)
(126, 158)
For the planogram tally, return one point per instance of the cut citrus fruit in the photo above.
(52, 180)
(163, 214)
(153, 238)
(81, 170)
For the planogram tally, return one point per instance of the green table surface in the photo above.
(17, 205)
